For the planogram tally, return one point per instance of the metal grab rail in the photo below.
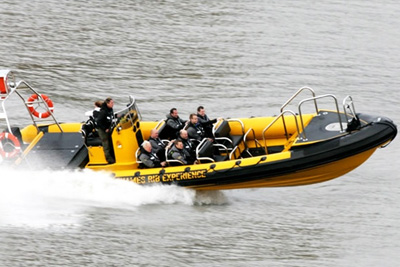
(315, 99)
(238, 121)
(351, 108)
(18, 86)
(159, 124)
(284, 125)
(256, 142)
(251, 130)
(41, 101)
(3, 114)
(296, 94)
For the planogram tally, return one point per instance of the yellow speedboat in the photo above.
(290, 149)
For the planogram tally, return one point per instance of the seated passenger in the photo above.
(188, 144)
(148, 158)
(157, 144)
(195, 130)
(179, 153)
(205, 121)
(174, 123)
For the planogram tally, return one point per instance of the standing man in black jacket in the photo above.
(104, 123)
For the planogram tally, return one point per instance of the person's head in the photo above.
(110, 102)
(193, 118)
(146, 146)
(98, 103)
(201, 110)
(174, 113)
(154, 133)
(183, 134)
(178, 144)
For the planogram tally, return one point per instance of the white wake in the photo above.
(32, 197)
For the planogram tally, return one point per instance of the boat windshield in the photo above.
(128, 115)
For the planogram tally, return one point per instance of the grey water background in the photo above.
(239, 59)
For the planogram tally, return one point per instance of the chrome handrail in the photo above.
(315, 99)
(238, 121)
(198, 148)
(284, 125)
(159, 124)
(233, 152)
(352, 108)
(18, 86)
(256, 143)
(296, 94)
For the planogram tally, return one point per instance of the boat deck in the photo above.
(324, 126)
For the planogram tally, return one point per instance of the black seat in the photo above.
(89, 127)
(205, 152)
(223, 136)
(90, 134)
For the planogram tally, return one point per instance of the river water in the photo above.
(238, 58)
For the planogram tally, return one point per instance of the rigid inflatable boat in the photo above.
(290, 149)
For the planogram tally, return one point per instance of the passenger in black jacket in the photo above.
(205, 121)
(179, 153)
(104, 122)
(174, 123)
(195, 130)
(188, 144)
(148, 157)
(157, 144)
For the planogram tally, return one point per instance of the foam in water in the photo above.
(31, 197)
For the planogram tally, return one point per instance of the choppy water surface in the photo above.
(238, 58)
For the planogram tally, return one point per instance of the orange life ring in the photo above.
(46, 99)
(16, 144)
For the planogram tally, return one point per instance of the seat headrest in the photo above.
(206, 150)
(223, 129)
